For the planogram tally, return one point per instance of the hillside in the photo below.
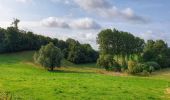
(21, 79)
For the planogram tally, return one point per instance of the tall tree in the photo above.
(119, 43)
(49, 56)
(15, 22)
(2, 38)
(157, 51)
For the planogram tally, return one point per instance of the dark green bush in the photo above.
(146, 67)
(155, 65)
(135, 67)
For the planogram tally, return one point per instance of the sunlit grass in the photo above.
(26, 80)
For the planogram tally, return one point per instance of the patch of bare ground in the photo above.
(167, 94)
(112, 73)
(168, 90)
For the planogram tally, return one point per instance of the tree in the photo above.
(119, 44)
(2, 43)
(49, 56)
(12, 39)
(15, 23)
(156, 51)
(79, 53)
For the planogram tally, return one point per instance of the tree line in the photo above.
(121, 51)
(14, 40)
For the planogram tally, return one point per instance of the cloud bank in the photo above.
(82, 23)
(105, 9)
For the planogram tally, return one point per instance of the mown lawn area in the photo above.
(21, 79)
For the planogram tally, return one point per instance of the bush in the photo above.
(134, 67)
(147, 67)
(108, 63)
(155, 65)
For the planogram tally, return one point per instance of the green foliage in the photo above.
(134, 67)
(147, 67)
(108, 63)
(49, 56)
(157, 51)
(2, 41)
(13, 40)
(80, 53)
(155, 65)
(118, 42)
(114, 42)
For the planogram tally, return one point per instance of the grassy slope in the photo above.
(27, 81)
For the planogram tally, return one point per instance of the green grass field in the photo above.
(23, 80)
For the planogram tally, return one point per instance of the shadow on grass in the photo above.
(71, 72)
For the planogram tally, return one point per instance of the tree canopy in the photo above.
(157, 51)
(123, 48)
(14, 40)
(49, 56)
(119, 43)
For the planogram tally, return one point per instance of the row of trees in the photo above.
(122, 50)
(13, 40)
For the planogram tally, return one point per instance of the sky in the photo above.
(84, 19)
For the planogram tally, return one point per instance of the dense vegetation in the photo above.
(13, 40)
(119, 51)
(122, 51)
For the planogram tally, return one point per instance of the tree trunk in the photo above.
(52, 68)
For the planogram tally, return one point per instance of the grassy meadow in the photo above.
(21, 79)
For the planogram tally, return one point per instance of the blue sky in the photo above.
(83, 19)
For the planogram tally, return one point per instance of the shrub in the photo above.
(155, 65)
(134, 67)
(108, 63)
(146, 67)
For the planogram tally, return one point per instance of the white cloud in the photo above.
(83, 23)
(105, 9)
(155, 36)
(93, 4)
(54, 22)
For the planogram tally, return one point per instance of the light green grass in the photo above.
(27, 81)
